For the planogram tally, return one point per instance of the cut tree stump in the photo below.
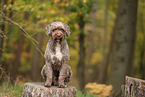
(38, 90)
(134, 87)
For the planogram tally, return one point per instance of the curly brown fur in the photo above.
(56, 70)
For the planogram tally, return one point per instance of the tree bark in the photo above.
(37, 59)
(90, 39)
(92, 33)
(2, 28)
(38, 90)
(123, 50)
(2, 32)
(109, 55)
(142, 46)
(17, 57)
(81, 63)
(102, 73)
(8, 34)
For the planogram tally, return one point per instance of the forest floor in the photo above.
(9, 90)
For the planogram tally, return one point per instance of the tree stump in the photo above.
(38, 90)
(134, 87)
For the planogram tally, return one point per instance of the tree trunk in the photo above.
(142, 47)
(17, 57)
(102, 75)
(123, 50)
(8, 34)
(2, 28)
(37, 59)
(81, 63)
(90, 39)
(91, 34)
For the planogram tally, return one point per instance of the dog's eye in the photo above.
(61, 30)
(54, 30)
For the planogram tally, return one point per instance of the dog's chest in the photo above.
(58, 53)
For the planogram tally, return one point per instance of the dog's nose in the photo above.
(58, 35)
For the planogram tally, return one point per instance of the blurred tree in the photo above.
(37, 58)
(2, 33)
(103, 71)
(2, 29)
(84, 7)
(81, 63)
(90, 40)
(17, 57)
(92, 33)
(141, 41)
(8, 34)
(19, 49)
(123, 50)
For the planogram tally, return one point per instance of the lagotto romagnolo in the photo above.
(56, 70)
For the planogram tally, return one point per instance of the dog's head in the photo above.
(57, 30)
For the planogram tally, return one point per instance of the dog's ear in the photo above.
(67, 29)
(48, 29)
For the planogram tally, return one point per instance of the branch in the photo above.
(2, 72)
(2, 33)
(24, 32)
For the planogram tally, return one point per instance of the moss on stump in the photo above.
(38, 90)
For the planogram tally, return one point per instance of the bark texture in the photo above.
(37, 58)
(38, 90)
(81, 62)
(133, 87)
(123, 50)
(14, 71)
(2, 29)
(103, 69)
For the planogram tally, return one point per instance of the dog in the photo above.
(56, 70)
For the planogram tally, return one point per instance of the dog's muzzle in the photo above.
(58, 38)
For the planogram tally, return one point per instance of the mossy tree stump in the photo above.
(38, 90)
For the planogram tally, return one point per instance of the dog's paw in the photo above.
(47, 84)
(62, 85)
(55, 83)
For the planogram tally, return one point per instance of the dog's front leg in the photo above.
(62, 76)
(49, 73)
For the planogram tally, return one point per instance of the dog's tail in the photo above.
(42, 71)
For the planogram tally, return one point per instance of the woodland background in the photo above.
(107, 40)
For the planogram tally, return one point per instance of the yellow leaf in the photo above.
(5, 6)
(52, 11)
(32, 9)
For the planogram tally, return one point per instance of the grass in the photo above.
(9, 90)
(80, 94)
